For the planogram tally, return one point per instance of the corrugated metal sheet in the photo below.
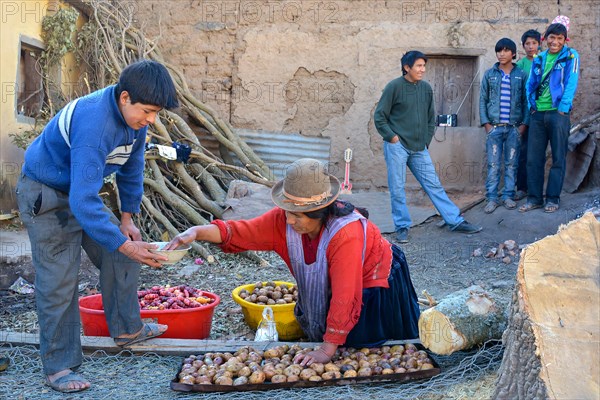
(277, 149)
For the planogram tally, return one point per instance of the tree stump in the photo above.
(462, 320)
(553, 336)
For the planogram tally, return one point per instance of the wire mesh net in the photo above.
(131, 376)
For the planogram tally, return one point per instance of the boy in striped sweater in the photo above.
(58, 195)
(503, 114)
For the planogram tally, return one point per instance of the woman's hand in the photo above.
(321, 355)
(184, 238)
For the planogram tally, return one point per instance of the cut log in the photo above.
(553, 335)
(462, 320)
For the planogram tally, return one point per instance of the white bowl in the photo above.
(172, 255)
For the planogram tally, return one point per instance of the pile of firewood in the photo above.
(177, 194)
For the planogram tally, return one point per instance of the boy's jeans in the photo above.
(397, 157)
(57, 238)
(503, 142)
(544, 127)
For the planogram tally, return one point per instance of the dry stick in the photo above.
(203, 174)
(108, 43)
(189, 101)
(161, 129)
(170, 228)
(213, 186)
(234, 137)
(185, 209)
(242, 171)
(191, 185)
(432, 302)
(184, 128)
(181, 194)
(197, 115)
(226, 137)
(158, 185)
(225, 167)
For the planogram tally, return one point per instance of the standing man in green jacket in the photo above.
(405, 118)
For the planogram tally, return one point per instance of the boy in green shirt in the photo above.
(551, 87)
(531, 44)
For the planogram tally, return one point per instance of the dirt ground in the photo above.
(440, 262)
(443, 261)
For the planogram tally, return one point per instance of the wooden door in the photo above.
(452, 80)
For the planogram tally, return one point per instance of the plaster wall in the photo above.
(318, 68)
(22, 20)
(18, 19)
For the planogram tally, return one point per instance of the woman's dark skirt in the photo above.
(388, 314)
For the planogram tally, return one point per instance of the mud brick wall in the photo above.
(318, 67)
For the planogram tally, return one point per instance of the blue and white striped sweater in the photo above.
(99, 143)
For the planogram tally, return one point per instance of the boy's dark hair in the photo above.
(532, 33)
(148, 82)
(506, 43)
(410, 58)
(556, 29)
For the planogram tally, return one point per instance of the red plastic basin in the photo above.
(189, 323)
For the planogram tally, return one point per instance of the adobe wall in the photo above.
(318, 67)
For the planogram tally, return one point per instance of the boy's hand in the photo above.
(128, 228)
(139, 251)
(522, 129)
(488, 127)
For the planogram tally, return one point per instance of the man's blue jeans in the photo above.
(397, 157)
(503, 142)
(544, 127)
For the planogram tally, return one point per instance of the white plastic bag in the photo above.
(267, 329)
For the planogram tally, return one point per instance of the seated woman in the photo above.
(354, 287)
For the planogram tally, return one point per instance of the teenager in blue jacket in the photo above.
(59, 203)
(551, 88)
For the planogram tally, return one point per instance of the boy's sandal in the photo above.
(528, 207)
(148, 331)
(490, 207)
(62, 384)
(550, 207)
(510, 204)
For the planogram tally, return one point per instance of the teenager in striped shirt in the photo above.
(503, 114)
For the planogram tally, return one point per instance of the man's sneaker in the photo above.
(465, 227)
(402, 235)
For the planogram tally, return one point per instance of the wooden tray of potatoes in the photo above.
(251, 369)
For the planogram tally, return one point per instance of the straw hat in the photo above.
(306, 187)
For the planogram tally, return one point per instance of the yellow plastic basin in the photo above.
(283, 314)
